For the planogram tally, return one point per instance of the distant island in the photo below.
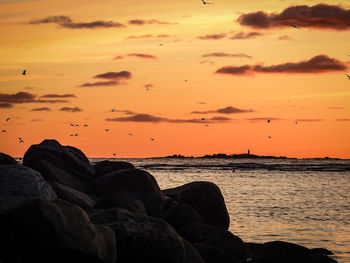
(224, 155)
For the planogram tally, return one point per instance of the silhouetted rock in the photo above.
(105, 167)
(142, 238)
(192, 255)
(205, 198)
(215, 244)
(63, 164)
(73, 196)
(40, 231)
(136, 184)
(132, 205)
(322, 251)
(285, 252)
(182, 214)
(19, 183)
(7, 159)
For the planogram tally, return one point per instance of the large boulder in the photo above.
(132, 205)
(7, 159)
(285, 252)
(134, 184)
(19, 183)
(192, 255)
(63, 164)
(73, 196)
(205, 198)
(105, 167)
(40, 231)
(142, 238)
(215, 244)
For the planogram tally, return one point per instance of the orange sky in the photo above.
(236, 73)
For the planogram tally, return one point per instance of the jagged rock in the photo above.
(142, 238)
(7, 159)
(73, 196)
(132, 205)
(134, 184)
(19, 183)
(63, 164)
(104, 167)
(40, 231)
(205, 198)
(192, 255)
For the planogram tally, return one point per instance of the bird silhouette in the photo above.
(206, 125)
(152, 139)
(295, 26)
(107, 130)
(203, 119)
(269, 137)
(147, 87)
(3, 131)
(85, 125)
(268, 121)
(20, 139)
(347, 76)
(131, 134)
(71, 124)
(114, 154)
(296, 122)
(206, 3)
(160, 45)
(113, 110)
(76, 134)
(24, 72)
(76, 125)
(8, 119)
(71, 134)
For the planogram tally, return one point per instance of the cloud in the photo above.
(67, 22)
(343, 119)
(321, 16)
(51, 96)
(207, 61)
(148, 36)
(202, 102)
(113, 79)
(285, 37)
(137, 55)
(213, 36)
(226, 110)
(264, 119)
(309, 120)
(36, 120)
(141, 22)
(29, 88)
(127, 112)
(68, 109)
(335, 108)
(155, 119)
(25, 97)
(222, 54)
(41, 109)
(317, 64)
(244, 35)
(5, 105)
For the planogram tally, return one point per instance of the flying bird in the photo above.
(20, 139)
(269, 137)
(76, 125)
(295, 26)
(85, 125)
(113, 110)
(147, 87)
(131, 134)
(71, 134)
(76, 134)
(206, 125)
(114, 154)
(206, 3)
(3, 131)
(24, 72)
(296, 122)
(348, 76)
(268, 121)
(203, 119)
(8, 119)
(71, 124)
(152, 139)
(160, 45)
(107, 130)
(185, 80)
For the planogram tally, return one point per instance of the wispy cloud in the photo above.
(148, 36)
(69, 109)
(25, 97)
(41, 109)
(223, 54)
(285, 37)
(226, 110)
(137, 55)
(112, 79)
(245, 35)
(5, 105)
(52, 96)
(213, 36)
(141, 22)
(309, 120)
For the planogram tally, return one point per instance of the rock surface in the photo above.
(206, 199)
(104, 167)
(19, 183)
(7, 159)
(63, 164)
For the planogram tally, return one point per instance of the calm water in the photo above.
(301, 201)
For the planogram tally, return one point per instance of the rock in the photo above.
(111, 243)
(63, 164)
(40, 231)
(132, 205)
(73, 196)
(322, 251)
(19, 183)
(105, 167)
(192, 255)
(181, 214)
(205, 198)
(134, 184)
(285, 252)
(7, 159)
(215, 244)
(142, 238)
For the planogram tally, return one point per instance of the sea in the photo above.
(304, 201)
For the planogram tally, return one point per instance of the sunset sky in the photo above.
(198, 79)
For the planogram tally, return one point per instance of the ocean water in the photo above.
(300, 201)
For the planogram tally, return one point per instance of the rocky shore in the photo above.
(57, 207)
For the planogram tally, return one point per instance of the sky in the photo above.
(153, 78)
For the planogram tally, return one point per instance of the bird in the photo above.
(296, 122)
(160, 45)
(206, 125)
(8, 119)
(113, 110)
(295, 26)
(24, 72)
(71, 124)
(147, 87)
(347, 76)
(85, 125)
(203, 119)
(20, 139)
(3, 131)
(107, 130)
(71, 134)
(268, 121)
(206, 3)
(152, 139)
(76, 125)
(269, 137)
(131, 134)
(185, 80)
(76, 134)
(114, 154)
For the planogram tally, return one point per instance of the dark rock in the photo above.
(181, 214)
(19, 183)
(142, 238)
(285, 252)
(132, 205)
(215, 244)
(205, 198)
(322, 251)
(40, 231)
(63, 164)
(111, 242)
(7, 159)
(73, 196)
(136, 184)
(105, 167)
(192, 255)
